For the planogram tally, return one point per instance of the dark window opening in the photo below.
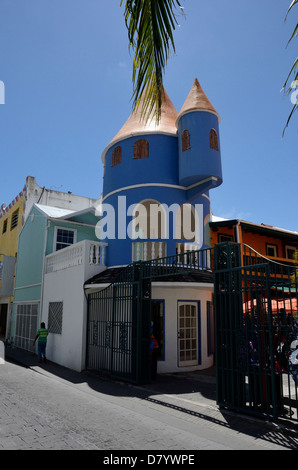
(185, 140)
(116, 156)
(213, 139)
(141, 149)
(4, 226)
(14, 219)
(64, 238)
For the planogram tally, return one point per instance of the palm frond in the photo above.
(293, 70)
(294, 2)
(150, 25)
(295, 33)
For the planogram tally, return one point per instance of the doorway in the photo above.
(3, 319)
(187, 334)
(157, 318)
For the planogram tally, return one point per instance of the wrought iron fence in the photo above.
(112, 330)
(256, 326)
(118, 328)
(119, 315)
(256, 333)
(26, 326)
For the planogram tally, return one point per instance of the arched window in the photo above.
(213, 139)
(187, 222)
(148, 227)
(149, 220)
(116, 156)
(141, 149)
(185, 141)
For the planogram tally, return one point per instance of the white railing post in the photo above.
(103, 254)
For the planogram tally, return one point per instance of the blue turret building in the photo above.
(167, 169)
(156, 203)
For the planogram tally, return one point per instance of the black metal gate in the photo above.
(256, 333)
(118, 328)
(119, 316)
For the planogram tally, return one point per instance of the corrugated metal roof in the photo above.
(56, 212)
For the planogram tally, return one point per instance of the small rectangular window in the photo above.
(4, 226)
(14, 219)
(64, 238)
(185, 140)
(55, 317)
(290, 252)
(116, 156)
(213, 139)
(224, 238)
(141, 149)
(271, 250)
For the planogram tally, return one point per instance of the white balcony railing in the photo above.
(87, 251)
(145, 251)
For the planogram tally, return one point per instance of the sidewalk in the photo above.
(193, 393)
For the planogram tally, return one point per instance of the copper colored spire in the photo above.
(197, 101)
(136, 125)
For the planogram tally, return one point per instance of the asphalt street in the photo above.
(49, 407)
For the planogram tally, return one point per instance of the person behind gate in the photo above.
(41, 338)
(153, 353)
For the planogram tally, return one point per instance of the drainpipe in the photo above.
(238, 240)
(43, 269)
(237, 232)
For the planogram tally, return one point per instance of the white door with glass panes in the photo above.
(187, 333)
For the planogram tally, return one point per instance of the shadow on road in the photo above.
(188, 393)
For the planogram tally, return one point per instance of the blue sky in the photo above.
(67, 74)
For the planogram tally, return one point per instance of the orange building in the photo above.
(272, 242)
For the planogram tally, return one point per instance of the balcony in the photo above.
(85, 253)
(281, 265)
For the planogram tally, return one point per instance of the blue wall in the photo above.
(120, 249)
(160, 167)
(200, 161)
(168, 176)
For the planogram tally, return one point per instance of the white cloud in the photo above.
(232, 213)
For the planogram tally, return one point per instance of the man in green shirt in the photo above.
(42, 336)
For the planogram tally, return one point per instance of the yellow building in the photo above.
(11, 222)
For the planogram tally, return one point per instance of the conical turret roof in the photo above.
(135, 124)
(197, 101)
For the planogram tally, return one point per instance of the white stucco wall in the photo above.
(66, 286)
(51, 197)
(173, 293)
(69, 348)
